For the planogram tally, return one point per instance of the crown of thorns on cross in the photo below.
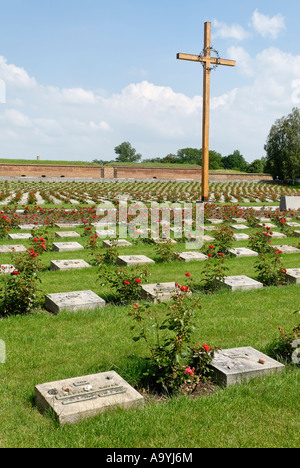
(215, 65)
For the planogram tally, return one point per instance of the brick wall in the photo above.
(121, 172)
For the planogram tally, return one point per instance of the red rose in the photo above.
(206, 347)
(126, 282)
(138, 280)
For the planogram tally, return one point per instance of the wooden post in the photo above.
(207, 61)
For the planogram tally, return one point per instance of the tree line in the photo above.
(282, 149)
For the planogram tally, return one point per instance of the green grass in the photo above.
(42, 347)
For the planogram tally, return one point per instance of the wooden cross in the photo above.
(207, 62)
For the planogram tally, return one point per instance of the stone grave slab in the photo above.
(106, 233)
(239, 236)
(72, 301)
(293, 224)
(267, 225)
(67, 234)
(62, 265)
(289, 203)
(6, 269)
(208, 238)
(129, 260)
(239, 226)
(158, 240)
(241, 282)
(210, 228)
(75, 399)
(236, 365)
(12, 248)
(215, 221)
(286, 249)
(293, 275)
(238, 220)
(297, 233)
(192, 256)
(119, 243)
(243, 252)
(277, 235)
(67, 225)
(20, 236)
(29, 226)
(66, 246)
(160, 292)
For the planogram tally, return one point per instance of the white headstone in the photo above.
(128, 260)
(239, 226)
(240, 236)
(23, 236)
(293, 275)
(67, 234)
(289, 203)
(192, 256)
(72, 301)
(118, 242)
(73, 400)
(243, 252)
(160, 292)
(241, 282)
(286, 248)
(12, 248)
(66, 246)
(63, 265)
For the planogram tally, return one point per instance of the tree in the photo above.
(283, 147)
(215, 160)
(257, 166)
(127, 153)
(235, 161)
(189, 156)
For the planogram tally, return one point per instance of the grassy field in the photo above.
(42, 347)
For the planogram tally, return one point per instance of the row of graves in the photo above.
(75, 399)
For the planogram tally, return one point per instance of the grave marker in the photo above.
(160, 292)
(128, 260)
(236, 365)
(66, 246)
(241, 282)
(243, 252)
(293, 275)
(73, 400)
(19, 236)
(118, 243)
(286, 249)
(191, 256)
(67, 234)
(12, 248)
(73, 301)
(63, 265)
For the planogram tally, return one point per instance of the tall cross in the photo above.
(208, 63)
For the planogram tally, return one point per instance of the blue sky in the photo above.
(79, 77)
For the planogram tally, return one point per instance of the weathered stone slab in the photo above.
(6, 269)
(293, 224)
(106, 233)
(118, 242)
(12, 248)
(67, 225)
(238, 220)
(129, 260)
(73, 400)
(192, 256)
(286, 248)
(66, 246)
(297, 233)
(239, 226)
(72, 301)
(241, 282)
(29, 226)
(68, 265)
(239, 236)
(293, 275)
(267, 225)
(289, 203)
(243, 252)
(277, 235)
(236, 365)
(62, 234)
(158, 240)
(160, 292)
(20, 236)
(215, 221)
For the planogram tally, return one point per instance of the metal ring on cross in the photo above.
(214, 66)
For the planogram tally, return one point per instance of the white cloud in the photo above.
(244, 62)
(15, 118)
(15, 76)
(267, 26)
(229, 31)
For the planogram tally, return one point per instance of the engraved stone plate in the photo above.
(277, 235)
(12, 248)
(297, 233)
(133, 260)
(192, 256)
(6, 269)
(215, 221)
(241, 283)
(236, 365)
(76, 300)
(238, 220)
(66, 246)
(19, 236)
(67, 234)
(29, 226)
(160, 292)
(243, 252)
(73, 400)
(267, 225)
(293, 275)
(239, 226)
(119, 243)
(67, 225)
(293, 224)
(240, 236)
(68, 264)
(286, 248)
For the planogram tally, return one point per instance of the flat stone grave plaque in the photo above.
(297, 233)
(243, 252)
(239, 220)
(73, 400)
(63, 265)
(66, 246)
(293, 275)
(106, 233)
(293, 224)
(207, 238)
(67, 234)
(277, 235)
(72, 301)
(67, 225)
(22, 236)
(6, 269)
(29, 226)
(210, 228)
(12, 248)
(215, 221)
(286, 248)
(239, 226)
(119, 243)
(158, 240)
(239, 236)
(236, 365)
(128, 260)
(191, 256)
(267, 225)
(160, 292)
(241, 282)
